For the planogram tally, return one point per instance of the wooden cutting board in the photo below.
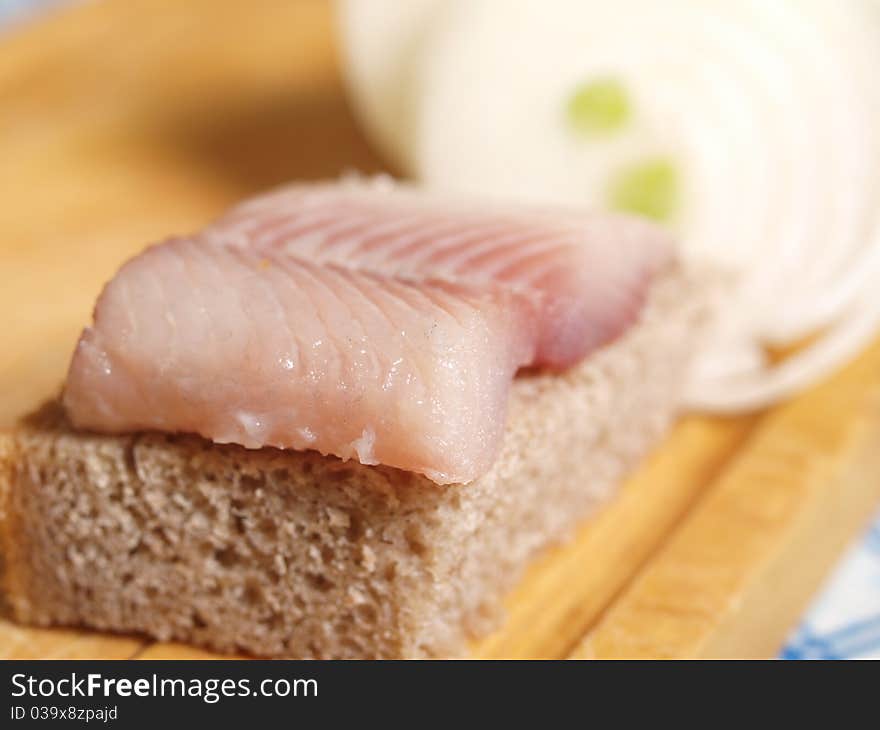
(127, 120)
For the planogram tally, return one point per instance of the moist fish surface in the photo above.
(360, 320)
(587, 274)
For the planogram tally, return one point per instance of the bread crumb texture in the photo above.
(292, 554)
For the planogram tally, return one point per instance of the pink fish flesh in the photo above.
(368, 323)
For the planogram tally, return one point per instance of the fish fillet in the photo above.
(587, 273)
(377, 324)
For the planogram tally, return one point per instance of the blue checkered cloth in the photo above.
(14, 10)
(844, 622)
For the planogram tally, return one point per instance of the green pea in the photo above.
(598, 107)
(648, 188)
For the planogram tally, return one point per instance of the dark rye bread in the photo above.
(292, 554)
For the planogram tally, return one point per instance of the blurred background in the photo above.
(125, 121)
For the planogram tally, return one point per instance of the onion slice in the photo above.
(749, 127)
(380, 40)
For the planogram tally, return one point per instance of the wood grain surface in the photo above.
(124, 121)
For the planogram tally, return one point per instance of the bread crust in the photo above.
(292, 554)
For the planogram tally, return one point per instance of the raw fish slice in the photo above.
(362, 321)
(587, 274)
(263, 349)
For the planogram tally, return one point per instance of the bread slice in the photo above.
(291, 554)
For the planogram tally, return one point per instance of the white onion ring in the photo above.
(380, 41)
(768, 107)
